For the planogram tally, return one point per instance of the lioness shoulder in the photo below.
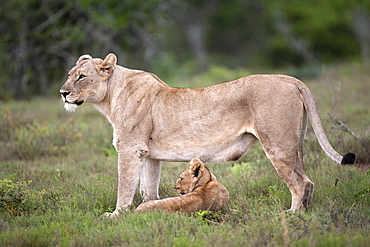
(198, 189)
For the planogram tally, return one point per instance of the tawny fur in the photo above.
(154, 122)
(198, 190)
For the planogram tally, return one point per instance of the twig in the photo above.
(344, 128)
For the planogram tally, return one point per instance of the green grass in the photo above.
(58, 176)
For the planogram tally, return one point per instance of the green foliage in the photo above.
(41, 40)
(118, 15)
(18, 198)
(325, 26)
(208, 217)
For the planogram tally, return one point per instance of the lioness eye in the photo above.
(81, 77)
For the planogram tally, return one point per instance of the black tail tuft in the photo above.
(348, 159)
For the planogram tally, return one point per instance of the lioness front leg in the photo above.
(130, 165)
(149, 181)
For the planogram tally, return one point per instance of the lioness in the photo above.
(198, 189)
(153, 122)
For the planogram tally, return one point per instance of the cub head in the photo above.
(196, 175)
(87, 81)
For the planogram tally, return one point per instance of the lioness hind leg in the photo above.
(300, 186)
(282, 141)
(308, 194)
(288, 162)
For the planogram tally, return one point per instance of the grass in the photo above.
(58, 176)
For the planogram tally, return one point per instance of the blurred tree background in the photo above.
(41, 39)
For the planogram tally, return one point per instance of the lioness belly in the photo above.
(208, 150)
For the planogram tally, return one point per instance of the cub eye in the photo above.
(81, 77)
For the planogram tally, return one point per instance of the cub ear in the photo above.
(83, 57)
(106, 67)
(195, 160)
(197, 168)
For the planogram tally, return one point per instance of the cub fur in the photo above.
(198, 189)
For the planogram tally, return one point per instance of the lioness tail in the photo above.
(313, 114)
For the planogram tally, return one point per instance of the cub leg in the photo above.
(149, 181)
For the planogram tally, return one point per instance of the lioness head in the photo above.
(87, 81)
(194, 176)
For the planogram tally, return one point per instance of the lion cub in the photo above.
(198, 189)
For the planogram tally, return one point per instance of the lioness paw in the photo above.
(115, 214)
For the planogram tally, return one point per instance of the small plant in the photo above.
(17, 198)
(208, 217)
(13, 198)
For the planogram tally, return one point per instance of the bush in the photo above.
(17, 198)
(208, 217)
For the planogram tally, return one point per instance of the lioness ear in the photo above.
(83, 57)
(106, 67)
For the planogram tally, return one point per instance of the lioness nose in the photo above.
(64, 93)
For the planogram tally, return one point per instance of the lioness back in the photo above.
(198, 189)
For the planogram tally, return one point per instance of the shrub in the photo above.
(208, 217)
(17, 198)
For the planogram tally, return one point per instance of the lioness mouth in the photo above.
(72, 106)
(74, 103)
